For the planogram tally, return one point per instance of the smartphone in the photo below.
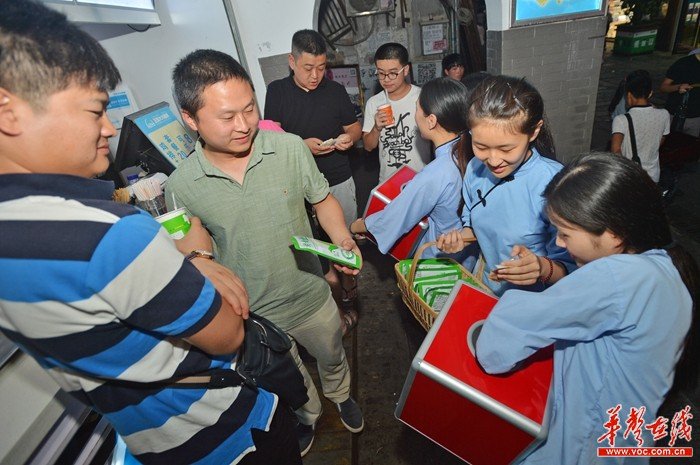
(500, 266)
(328, 143)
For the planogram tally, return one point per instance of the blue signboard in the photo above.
(537, 11)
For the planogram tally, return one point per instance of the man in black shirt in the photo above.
(319, 111)
(683, 80)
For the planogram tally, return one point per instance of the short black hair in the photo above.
(453, 59)
(638, 83)
(392, 51)
(308, 41)
(41, 53)
(200, 69)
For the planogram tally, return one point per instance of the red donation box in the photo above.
(380, 197)
(447, 397)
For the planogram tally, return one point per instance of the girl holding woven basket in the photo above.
(510, 157)
(441, 116)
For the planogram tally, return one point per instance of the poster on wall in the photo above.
(434, 37)
(368, 77)
(349, 77)
(541, 11)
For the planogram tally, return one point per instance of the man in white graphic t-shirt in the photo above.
(399, 143)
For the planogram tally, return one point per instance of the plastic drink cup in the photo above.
(388, 112)
(154, 206)
(175, 222)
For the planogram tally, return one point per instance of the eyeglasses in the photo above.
(391, 75)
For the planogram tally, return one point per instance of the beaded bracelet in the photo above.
(546, 279)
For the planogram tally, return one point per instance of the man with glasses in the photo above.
(399, 142)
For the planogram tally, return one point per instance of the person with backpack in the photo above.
(640, 132)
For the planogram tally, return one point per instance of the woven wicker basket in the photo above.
(421, 310)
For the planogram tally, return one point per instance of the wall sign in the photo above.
(435, 37)
(349, 77)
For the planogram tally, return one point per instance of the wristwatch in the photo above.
(199, 253)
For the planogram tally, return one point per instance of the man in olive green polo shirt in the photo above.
(248, 187)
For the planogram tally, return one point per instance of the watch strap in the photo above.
(199, 254)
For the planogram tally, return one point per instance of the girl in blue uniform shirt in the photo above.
(441, 116)
(510, 163)
(619, 323)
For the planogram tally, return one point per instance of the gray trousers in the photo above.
(322, 337)
(345, 194)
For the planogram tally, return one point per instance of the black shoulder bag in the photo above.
(263, 361)
(679, 117)
(633, 140)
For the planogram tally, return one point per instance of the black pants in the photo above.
(279, 446)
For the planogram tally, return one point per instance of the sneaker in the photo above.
(305, 435)
(348, 320)
(351, 415)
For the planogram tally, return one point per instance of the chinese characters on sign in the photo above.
(680, 429)
(167, 134)
(434, 38)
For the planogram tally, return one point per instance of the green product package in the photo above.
(429, 266)
(327, 250)
(423, 291)
(438, 301)
(438, 278)
(434, 293)
(423, 287)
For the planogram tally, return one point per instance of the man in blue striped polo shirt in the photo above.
(96, 291)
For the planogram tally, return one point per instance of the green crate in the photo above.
(635, 43)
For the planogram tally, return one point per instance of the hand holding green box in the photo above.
(327, 250)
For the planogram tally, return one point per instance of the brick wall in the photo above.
(563, 61)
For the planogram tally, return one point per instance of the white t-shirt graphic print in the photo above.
(400, 144)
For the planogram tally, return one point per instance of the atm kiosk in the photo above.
(152, 140)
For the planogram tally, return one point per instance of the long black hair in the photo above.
(447, 99)
(517, 104)
(603, 191)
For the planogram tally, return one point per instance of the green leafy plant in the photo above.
(642, 11)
